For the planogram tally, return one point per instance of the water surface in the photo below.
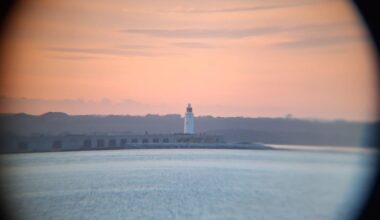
(187, 184)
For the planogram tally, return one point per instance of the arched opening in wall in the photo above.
(123, 142)
(23, 146)
(135, 140)
(87, 143)
(100, 143)
(112, 143)
(57, 144)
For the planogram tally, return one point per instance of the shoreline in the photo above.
(215, 146)
(230, 146)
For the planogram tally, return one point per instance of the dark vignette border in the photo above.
(369, 12)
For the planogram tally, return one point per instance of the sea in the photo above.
(294, 183)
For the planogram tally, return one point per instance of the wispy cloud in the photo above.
(78, 58)
(278, 5)
(308, 35)
(104, 51)
(131, 46)
(204, 33)
(318, 42)
(195, 45)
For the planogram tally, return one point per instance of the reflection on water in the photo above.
(187, 184)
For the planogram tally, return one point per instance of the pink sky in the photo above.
(311, 59)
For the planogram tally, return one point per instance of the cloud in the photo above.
(73, 57)
(195, 45)
(279, 5)
(204, 33)
(102, 51)
(130, 46)
(307, 36)
(317, 42)
(194, 33)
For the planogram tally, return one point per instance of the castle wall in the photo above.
(88, 142)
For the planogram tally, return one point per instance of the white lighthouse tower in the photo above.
(189, 120)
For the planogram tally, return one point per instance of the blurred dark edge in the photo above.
(6, 9)
(369, 12)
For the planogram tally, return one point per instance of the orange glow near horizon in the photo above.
(311, 59)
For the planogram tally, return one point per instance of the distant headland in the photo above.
(57, 131)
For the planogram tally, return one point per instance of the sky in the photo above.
(307, 58)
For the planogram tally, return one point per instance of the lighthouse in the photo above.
(189, 120)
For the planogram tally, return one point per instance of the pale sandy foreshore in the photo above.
(337, 149)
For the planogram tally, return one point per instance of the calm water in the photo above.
(186, 184)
